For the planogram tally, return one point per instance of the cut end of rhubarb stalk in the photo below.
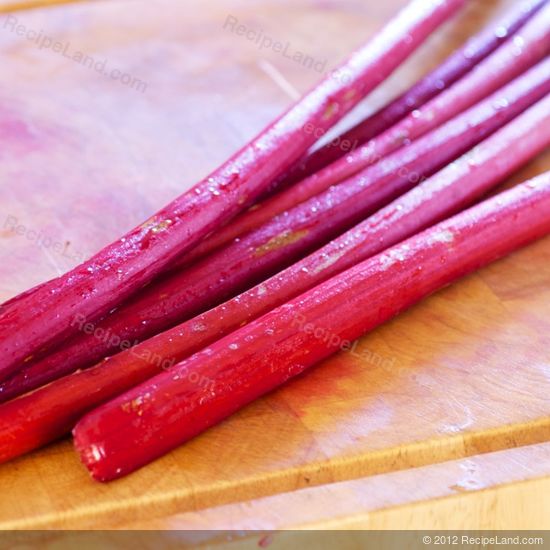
(96, 457)
(91, 454)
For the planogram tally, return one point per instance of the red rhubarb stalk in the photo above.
(173, 407)
(92, 289)
(281, 241)
(452, 69)
(50, 412)
(525, 48)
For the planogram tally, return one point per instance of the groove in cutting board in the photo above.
(399, 500)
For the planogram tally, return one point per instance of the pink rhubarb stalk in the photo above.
(44, 317)
(457, 65)
(281, 241)
(171, 408)
(528, 46)
(50, 412)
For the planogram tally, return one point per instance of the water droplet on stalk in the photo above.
(501, 103)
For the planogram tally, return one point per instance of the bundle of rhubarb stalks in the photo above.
(290, 250)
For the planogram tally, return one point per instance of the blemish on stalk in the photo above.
(135, 405)
(199, 327)
(29, 358)
(443, 236)
(331, 110)
(330, 260)
(147, 224)
(393, 256)
(155, 226)
(162, 226)
(350, 94)
(285, 238)
(386, 261)
(401, 137)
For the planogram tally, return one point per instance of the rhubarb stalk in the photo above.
(283, 240)
(458, 64)
(173, 407)
(453, 68)
(528, 46)
(45, 317)
(50, 412)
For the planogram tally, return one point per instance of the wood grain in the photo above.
(504, 490)
(465, 372)
(8, 6)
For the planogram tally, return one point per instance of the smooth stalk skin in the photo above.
(20, 296)
(278, 243)
(50, 412)
(173, 407)
(453, 68)
(45, 317)
(458, 64)
(524, 49)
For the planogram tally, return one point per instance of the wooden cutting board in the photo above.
(85, 156)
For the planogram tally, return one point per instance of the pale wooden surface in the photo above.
(89, 158)
(504, 490)
(10, 6)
